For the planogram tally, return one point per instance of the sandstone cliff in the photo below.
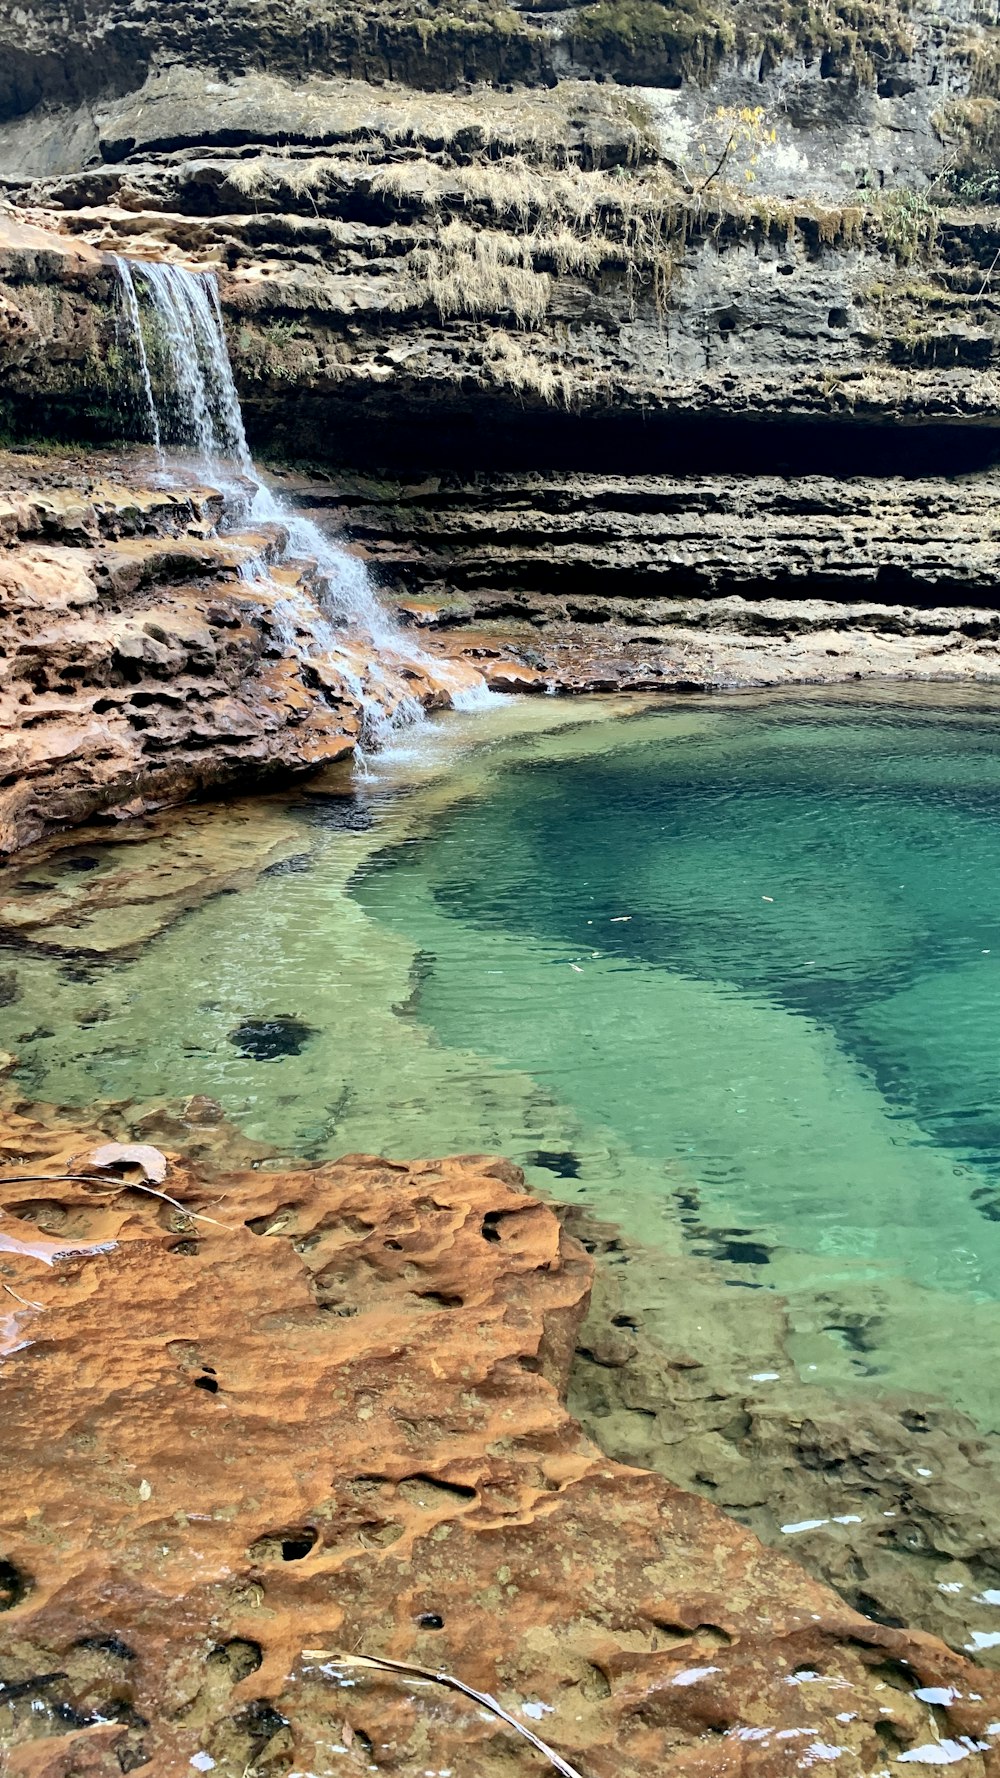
(736, 242)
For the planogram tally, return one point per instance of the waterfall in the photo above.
(130, 303)
(199, 410)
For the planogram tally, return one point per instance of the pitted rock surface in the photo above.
(308, 1413)
(140, 664)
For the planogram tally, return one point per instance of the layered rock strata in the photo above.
(465, 263)
(638, 211)
(294, 1415)
(154, 651)
(654, 416)
(599, 582)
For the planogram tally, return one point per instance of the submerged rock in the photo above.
(268, 1040)
(889, 1497)
(139, 881)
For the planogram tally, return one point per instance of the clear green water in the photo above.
(769, 951)
(729, 973)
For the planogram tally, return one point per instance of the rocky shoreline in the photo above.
(632, 348)
(685, 1366)
(886, 1495)
(143, 667)
(323, 1410)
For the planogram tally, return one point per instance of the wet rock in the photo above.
(298, 865)
(345, 813)
(562, 1162)
(118, 696)
(139, 881)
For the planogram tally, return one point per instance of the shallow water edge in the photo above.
(754, 1366)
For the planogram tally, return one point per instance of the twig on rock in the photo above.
(456, 1685)
(195, 1215)
(993, 267)
(23, 1299)
(132, 1185)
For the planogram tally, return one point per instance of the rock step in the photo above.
(145, 657)
(268, 195)
(740, 613)
(617, 544)
(57, 515)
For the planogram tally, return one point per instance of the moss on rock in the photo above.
(670, 40)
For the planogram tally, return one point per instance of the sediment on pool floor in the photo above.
(888, 1498)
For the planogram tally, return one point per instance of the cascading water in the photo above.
(199, 410)
(200, 407)
(130, 303)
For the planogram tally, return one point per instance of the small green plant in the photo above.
(969, 129)
(975, 188)
(905, 222)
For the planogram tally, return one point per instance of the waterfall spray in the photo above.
(199, 409)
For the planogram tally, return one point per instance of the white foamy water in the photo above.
(194, 404)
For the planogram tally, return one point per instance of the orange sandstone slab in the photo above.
(320, 1411)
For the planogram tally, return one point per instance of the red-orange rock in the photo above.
(317, 1412)
(138, 665)
(514, 676)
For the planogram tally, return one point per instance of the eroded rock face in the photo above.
(150, 653)
(593, 330)
(463, 258)
(669, 582)
(594, 283)
(138, 667)
(292, 1415)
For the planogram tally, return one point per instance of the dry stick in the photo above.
(456, 1685)
(132, 1185)
(720, 163)
(195, 1215)
(989, 274)
(22, 1299)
